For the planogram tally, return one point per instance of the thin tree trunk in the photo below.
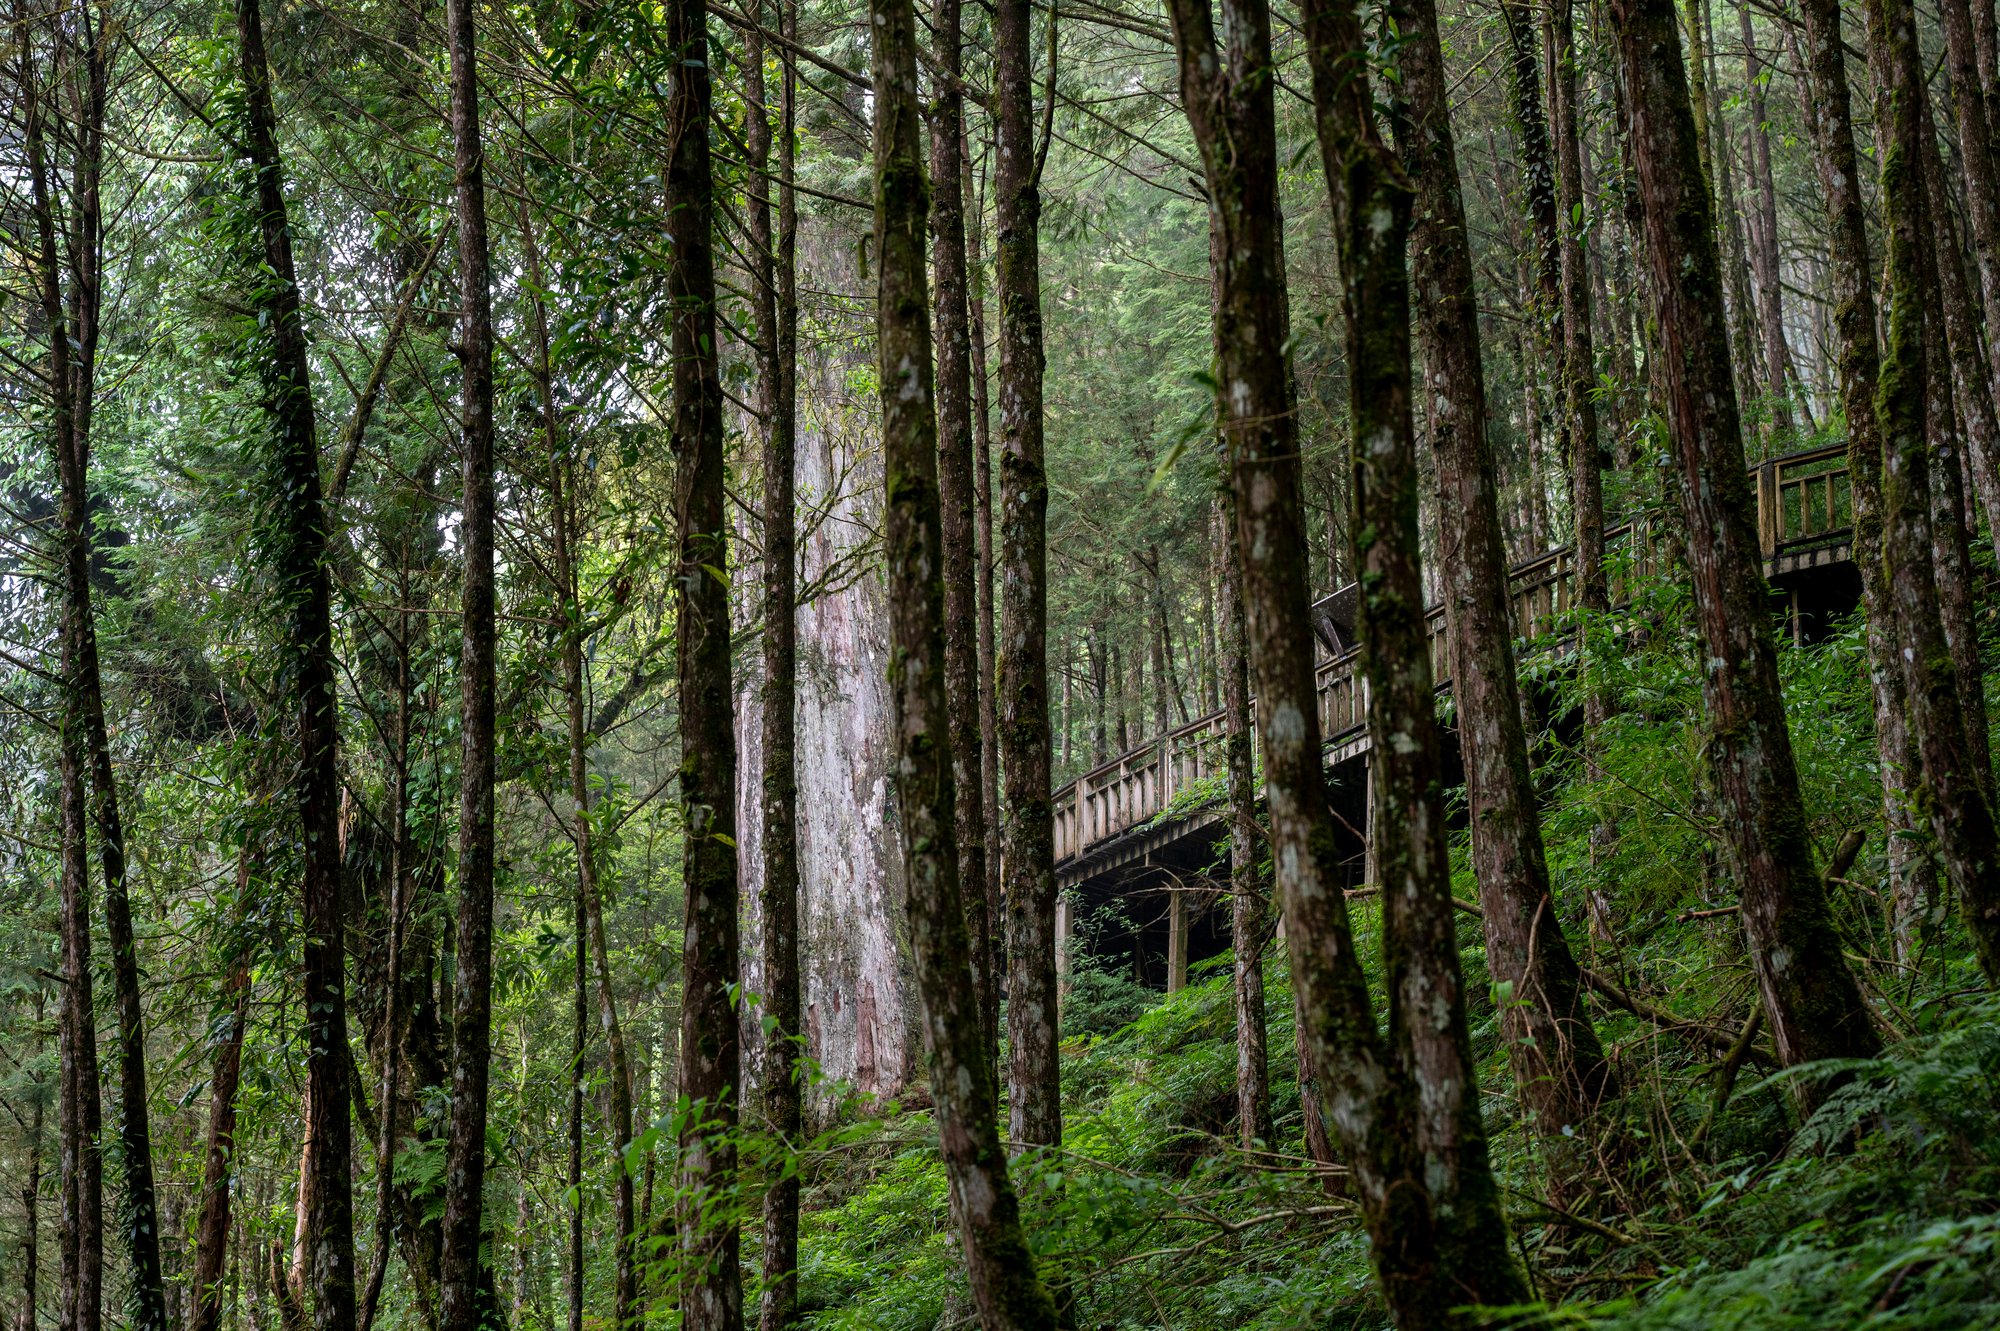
(1000, 1270)
(1976, 156)
(1960, 309)
(1911, 878)
(711, 1054)
(1961, 817)
(1539, 186)
(1559, 1067)
(957, 493)
(1034, 1082)
(1764, 248)
(1951, 554)
(80, 1295)
(460, 1277)
(1810, 996)
(1250, 910)
(29, 1316)
(299, 558)
(989, 717)
(776, 309)
(212, 1228)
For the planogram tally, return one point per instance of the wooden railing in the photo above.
(1803, 499)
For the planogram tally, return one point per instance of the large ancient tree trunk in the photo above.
(1810, 996)
(711, 1057)
(999, 1266)
(775, 300)
(1559, 1067)
(459, 1281)
(957, 496)
(1961, 817)
(1853, 293)
(1034, 1083)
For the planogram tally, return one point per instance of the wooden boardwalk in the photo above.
(1164, 790)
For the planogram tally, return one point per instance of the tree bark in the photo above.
(460, 1307)
(1764, 239)
(1250, 909)
(982, 466)
(1538, 181)
(1559, 1067)
(1810, 996)
(956, 492)
(776, 309)
(212, 1228)
(80, 1294)
(1852, 280)
(1034, 1083)
(299, 561)
(1000, 1270)
(1976, 157)
(1961, 817)
(711, 1054)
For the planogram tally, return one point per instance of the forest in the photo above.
(894, 665)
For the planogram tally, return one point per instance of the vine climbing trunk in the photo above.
(299, 563)
(1000, 1269)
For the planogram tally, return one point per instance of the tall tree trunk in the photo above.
(957, 495)
(299, 561)
(1764, 237)
(1538, 181)
(1810, 996)
(1959, 307)
(1559, 1067)
(1961, 816)
(982, 466)
(28, 1317)
(80, 1296)
(711, 1053)
(1250, 911)
(776, 308)
(1976, 151)
(460, 1306)
(1034, 1081)
(219, 1156)
(1000, 1270)
(1910, 874)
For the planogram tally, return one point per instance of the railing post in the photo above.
(1770, 516)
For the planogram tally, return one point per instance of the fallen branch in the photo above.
(1719, 1040)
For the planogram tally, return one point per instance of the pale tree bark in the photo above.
(1034, 1078)
(1810, 996)
(711, 1054)
(1911, 877)
(1000, 1269)
(1764, 237)
(1559, 1067)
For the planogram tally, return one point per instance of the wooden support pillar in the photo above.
(1177, 939)
(1064, 927)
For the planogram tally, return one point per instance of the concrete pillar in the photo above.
(1177, 939)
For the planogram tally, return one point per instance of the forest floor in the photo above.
(1880, 1209)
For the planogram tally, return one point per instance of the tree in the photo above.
(1558, 1065)
(298, 558)
(1810, 997)
(1034, 1079)
(1006, 1292)
(711, 1052)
